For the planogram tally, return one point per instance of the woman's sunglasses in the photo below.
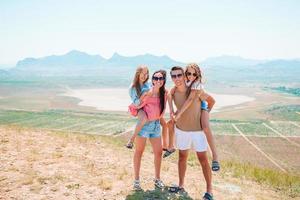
(189, 74)
(176, 75)
(155, 78)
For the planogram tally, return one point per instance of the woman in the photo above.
(137, 92)
(155, 103)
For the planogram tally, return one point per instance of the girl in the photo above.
(138, 91)
(154, 106)
(194, 82)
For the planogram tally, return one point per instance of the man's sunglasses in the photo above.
(155, 78)
(189, 74)
(176, 75)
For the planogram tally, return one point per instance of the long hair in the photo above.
(198, 76)
(162, 90)
(136, 80)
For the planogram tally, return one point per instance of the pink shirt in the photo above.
(152, 108)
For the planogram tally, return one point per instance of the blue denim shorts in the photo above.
(150, 130)
(204, 105)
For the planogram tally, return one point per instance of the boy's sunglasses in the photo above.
(155, 78)
(189, 74)
(176, 75)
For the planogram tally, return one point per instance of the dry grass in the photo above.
(61, 165)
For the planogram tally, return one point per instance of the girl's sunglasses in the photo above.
(155, 78)
(189, 74)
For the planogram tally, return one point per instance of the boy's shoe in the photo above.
(208, 196)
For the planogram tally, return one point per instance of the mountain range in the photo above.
(222, 69)
(74, 59)
(80, 59)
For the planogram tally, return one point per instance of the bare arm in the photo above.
(145, 95)
(210, 102)
(143, 98)
(209, 99)
(170, 101)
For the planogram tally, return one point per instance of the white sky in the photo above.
(185, 30)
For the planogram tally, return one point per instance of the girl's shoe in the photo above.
(137, 185)
(168, 152)
(176, 189)
(159, 184)
(215, 166)
(129, 144)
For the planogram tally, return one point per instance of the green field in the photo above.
(111, 123)
(90, 123)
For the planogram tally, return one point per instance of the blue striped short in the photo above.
(150, 130)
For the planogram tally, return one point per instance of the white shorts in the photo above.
(195, 140)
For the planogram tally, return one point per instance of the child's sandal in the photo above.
(215, 166)
(168, 152)
(129, 145)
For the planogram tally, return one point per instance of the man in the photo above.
(188, 132)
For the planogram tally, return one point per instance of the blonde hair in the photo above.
(195, 67)
(136, 80)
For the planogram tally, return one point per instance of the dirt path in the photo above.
(46, 165)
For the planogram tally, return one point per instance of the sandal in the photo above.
(137, 185)
(159, 184)
(168, 152)
(176, 189)
(208, 196)
(129, 145)
(164, 149)
(215, 166)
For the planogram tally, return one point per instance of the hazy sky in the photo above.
(184, 30)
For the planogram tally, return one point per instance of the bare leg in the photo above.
(183, 155)
(171, 135)
(142, 120)
(140, 144)
(164, 133)
(157, 151)
(202, 157)
(208, 133)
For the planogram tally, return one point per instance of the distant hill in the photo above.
(3, 73)
(232, 69)
(151, 60)
(221, 70)
(290, 64)
(230, 61)
(76, 63)
(80, 59)
(72, 59)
